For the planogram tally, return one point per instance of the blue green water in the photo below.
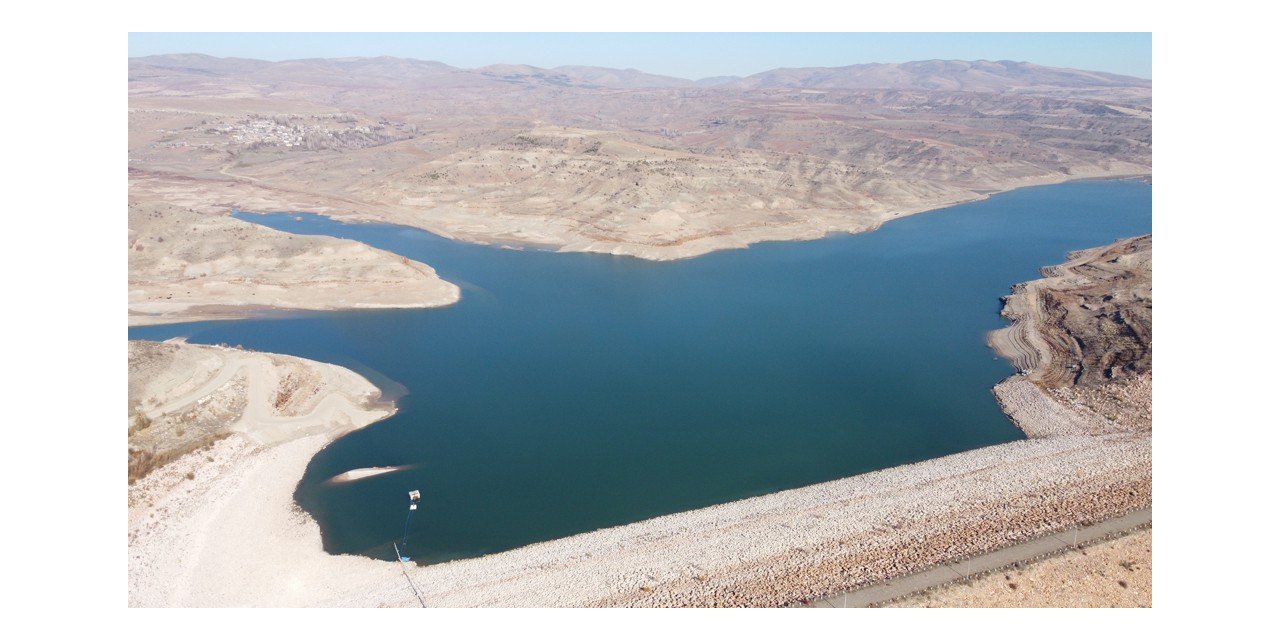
(570, 392)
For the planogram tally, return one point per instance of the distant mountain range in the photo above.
(926, 75)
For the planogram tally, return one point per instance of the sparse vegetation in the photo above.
(140, 422)
(144, 461)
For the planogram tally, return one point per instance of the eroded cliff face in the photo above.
(1098, 315)
(1083, 332)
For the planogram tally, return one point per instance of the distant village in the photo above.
(304, 132)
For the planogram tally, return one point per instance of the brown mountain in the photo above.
(927, 75)
(620, 161)
(936, 75)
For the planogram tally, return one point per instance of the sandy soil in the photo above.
(367, 472)
(188, 517)
(187, 266)
(183, 397)
(1114, 573)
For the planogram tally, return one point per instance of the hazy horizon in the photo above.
(680, 55)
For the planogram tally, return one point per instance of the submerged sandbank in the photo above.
(367, 472)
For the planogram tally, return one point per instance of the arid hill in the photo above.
(928, 75)
(187, 266)
(619, 161)
(939, 75)
(183, 397)
(1083, 333)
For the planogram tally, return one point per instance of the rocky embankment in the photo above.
(1081, 337)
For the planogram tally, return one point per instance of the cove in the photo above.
(569, 392)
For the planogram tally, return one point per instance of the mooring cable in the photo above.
(405, 571)
(404, 538)
(414, 497)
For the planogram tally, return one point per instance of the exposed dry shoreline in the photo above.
(185, 396)
(186, 266)
(813, 226)
(1100, 294)
(242, 540)
(495, 226)
(772, 550)
(219, 268)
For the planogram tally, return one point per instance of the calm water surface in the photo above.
(569, 392)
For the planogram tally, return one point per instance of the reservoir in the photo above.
(568, 392)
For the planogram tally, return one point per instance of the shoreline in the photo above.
(771, 550)
(186, 266)
(777, 549)
(726, 242)
(187, 517)
(221, 312)
(225, 313)
(838, 535)
(735, 241)
(685, 249)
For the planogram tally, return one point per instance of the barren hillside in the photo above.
(1083, 335)
(187, 266)
(619, 161)
(183, 397)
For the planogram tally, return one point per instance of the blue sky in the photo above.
(684, 55)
